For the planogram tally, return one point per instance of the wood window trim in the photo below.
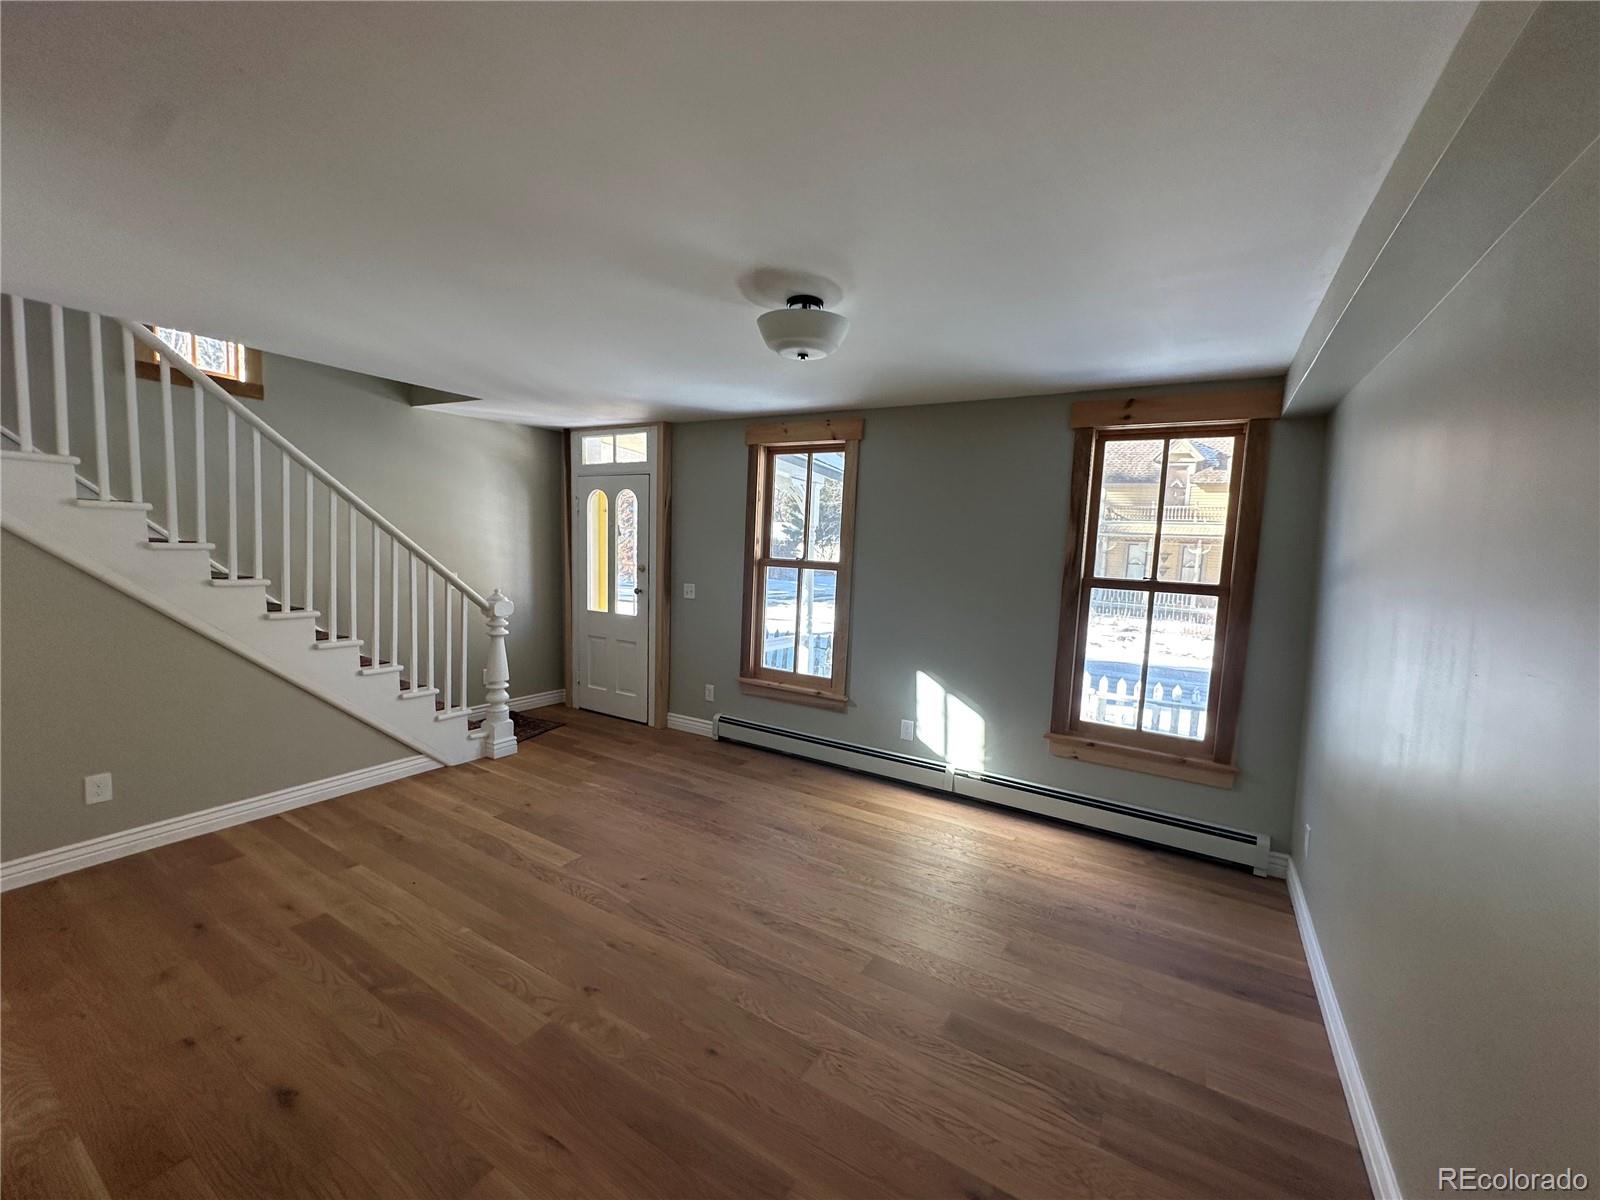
(1226, 406)
(1212, 762)
(764, 441)
(790, 434)
(146, 367)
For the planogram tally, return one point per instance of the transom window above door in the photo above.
(798, 561)
(600, 449)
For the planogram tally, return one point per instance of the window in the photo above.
(627, 553)
(232, 364)
(600, 449)
(800, 509)
(597, 530)
(1157, 596)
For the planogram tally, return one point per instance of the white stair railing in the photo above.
(429, 583)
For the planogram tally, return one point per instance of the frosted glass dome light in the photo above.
(803, 331)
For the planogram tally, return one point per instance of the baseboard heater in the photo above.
(1110, 816)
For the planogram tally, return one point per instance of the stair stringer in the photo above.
(39, 503)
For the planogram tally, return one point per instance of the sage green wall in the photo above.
(1452, 778)
(484, 497)
(91, 680)
(960, 541)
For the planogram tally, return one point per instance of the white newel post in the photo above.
(499, 738)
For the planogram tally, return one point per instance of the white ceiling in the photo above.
(551, 207)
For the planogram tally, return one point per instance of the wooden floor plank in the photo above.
(629, 962)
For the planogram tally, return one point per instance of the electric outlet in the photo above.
(908, 730)
(688, 591)
(96, 789)
(711, 691)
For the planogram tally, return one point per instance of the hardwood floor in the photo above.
(639, 963)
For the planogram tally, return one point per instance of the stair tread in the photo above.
(438, 704)
(277, 606)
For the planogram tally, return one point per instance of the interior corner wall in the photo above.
(960, 542)
(1448, 837)
(92, 680)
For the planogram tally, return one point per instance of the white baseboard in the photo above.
(1374, 1152)
(49, 863)
(1278, 864)
(538, 700)
(689, 724)
(524, 703)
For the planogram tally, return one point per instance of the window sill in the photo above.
(234, 387)
(1150, 762)
(793, 693)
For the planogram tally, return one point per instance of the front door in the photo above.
(611, 554)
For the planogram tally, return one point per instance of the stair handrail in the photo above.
(200, 378)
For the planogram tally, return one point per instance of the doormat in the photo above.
(529, 726)
(524, 726)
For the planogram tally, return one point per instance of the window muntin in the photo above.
(798, 581)
(1148, 651)
(603, 449)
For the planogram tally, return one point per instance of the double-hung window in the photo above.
(1156, 602)
(800, 518)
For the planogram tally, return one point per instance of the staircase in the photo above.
(255, 545)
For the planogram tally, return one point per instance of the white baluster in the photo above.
(394, 599)
(333, 565)
(169, 450)
(130, 401)
(58, 376)
(97, 389)
(259, 570)
(311, 577)
(199, 464)
(377, 607)
(233, 494)
(285, 515)
(411, 566)
(499, 736)
(19, 362)
(431, 680)
(463, 650)
(449, 647)
(354, 608)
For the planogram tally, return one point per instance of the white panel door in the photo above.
(611, 602)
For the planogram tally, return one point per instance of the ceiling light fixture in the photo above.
(804, 330)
